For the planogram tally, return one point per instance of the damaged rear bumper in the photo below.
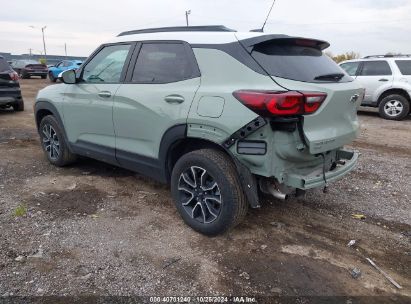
(347, 161)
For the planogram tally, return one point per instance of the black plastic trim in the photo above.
(147, 166)
(95, 151)
(169, 139)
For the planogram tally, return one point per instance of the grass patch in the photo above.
(21, 210)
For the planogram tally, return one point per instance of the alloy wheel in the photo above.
(199, 194)
(393, 108)
(51, 142)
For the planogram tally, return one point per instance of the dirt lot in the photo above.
(96, 229)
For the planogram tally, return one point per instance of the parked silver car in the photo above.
(387, 82)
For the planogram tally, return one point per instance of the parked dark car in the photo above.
(10, 93)
(28, 68)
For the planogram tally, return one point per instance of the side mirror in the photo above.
(68, 77)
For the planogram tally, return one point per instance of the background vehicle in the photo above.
(387, 82)
(10, 94)
(28, 68)
(218, 114)
(63, 66)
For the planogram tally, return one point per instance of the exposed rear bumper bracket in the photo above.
(249, 128)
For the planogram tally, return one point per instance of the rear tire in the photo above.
(19, 106)
(53, 142)
(394, 107)
(207, 192)
(52, 78)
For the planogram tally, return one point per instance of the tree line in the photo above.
(351, 55)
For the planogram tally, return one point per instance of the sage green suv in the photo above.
(222, 116)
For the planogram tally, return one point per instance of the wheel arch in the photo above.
(391, 91)
(175, 144)
(43, 108)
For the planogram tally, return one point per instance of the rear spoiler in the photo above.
(250, 43)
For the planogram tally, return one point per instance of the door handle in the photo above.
(104, 94)
(383, 79)
(174, 99)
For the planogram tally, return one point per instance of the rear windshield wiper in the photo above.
(335, 77)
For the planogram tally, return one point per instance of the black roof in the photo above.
(203, 28)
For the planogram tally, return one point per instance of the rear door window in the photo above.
(163, 63)
(4, 66)
(404, 66)
(287, 60)
(350, 67)
(375, 68)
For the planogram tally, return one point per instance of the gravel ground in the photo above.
(96, 229)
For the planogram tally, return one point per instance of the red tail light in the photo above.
(14, 76)
(281, 103)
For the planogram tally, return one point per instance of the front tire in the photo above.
(53, 142)
(207, 192)
(52, 78)
(394, 107)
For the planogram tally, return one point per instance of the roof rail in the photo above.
(387, 56)
(204, 28)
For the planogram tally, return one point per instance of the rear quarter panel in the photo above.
(221, 75)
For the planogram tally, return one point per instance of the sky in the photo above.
(368, 27)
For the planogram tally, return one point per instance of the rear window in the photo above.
(4, 66)
(295, 62)
(404, 66)
(163, 63)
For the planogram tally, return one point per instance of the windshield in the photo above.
(297, 62)
(4, 66)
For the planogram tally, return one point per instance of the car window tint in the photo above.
(375, 68)
(350, 67)
(162, 63)
(107, 65)
(4, 66)
(286, 59)
(404, 66)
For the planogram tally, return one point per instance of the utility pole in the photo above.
(30, 52)
(187, 13)
(44, 41)
(65, 49)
